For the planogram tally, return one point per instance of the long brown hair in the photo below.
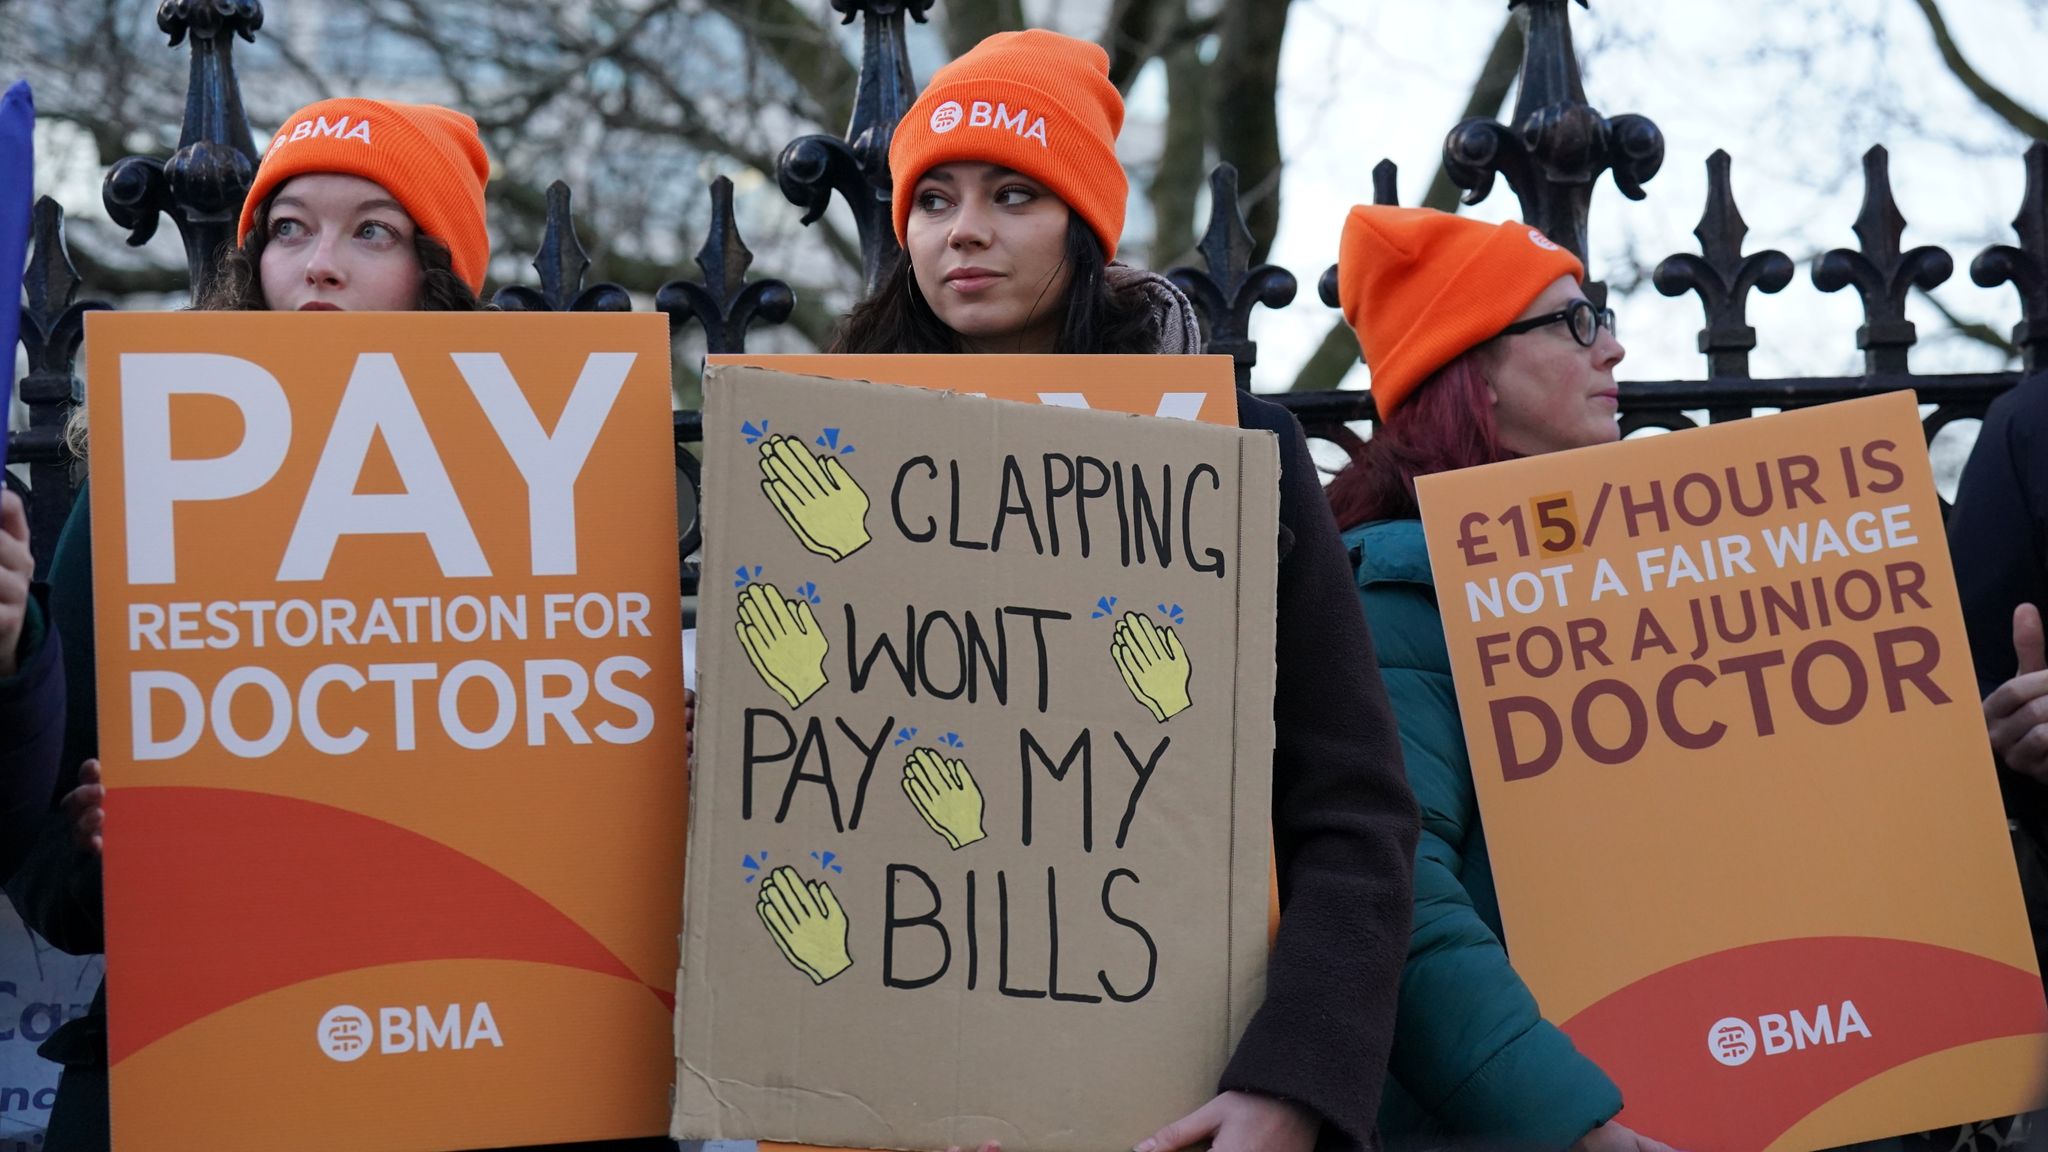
(1095, 319)
(1445, 424)
(237, 286)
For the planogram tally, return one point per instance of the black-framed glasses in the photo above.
(1584, 320)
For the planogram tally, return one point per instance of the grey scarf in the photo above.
(1172, 314)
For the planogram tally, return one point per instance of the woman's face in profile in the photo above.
(1550, 392)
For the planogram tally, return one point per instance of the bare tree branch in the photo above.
(1489, 96)
(1975, 330)
(803, 49)
(546, 89)
(306, 71)
(2028, 122)
(1333, 358)
(1331, 361)
(1182, 155)
(100, 280)
(1136, 33)
(1246, 82)
(971, 22)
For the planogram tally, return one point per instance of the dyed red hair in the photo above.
(1445, 424)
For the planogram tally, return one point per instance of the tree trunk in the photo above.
(969, 22)
(1246, 83)
(1489, 97)
(1135, 34)
(1183, 155)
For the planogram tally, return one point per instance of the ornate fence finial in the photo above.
(1722, 276)
(202, 185)
(725, 303)
(1385, 191)
(52, 326)
(1225, 292)
(813, 167)
(561, 263)
(1882, 274)
(2025, 267)
(1559, 145)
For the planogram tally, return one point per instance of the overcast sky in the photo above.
(1794, 90)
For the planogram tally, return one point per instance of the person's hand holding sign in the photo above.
(17, 569)
(806, 922)
(83, 811)
(817, 499)
(945, 794)
(1613, 1137)
(784, 642)
(1154, 665)
(1240, 1122)
(2017, 711)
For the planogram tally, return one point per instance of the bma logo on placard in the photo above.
(347, 1035)
(1732, 1041)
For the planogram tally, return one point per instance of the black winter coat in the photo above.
(1998, 540)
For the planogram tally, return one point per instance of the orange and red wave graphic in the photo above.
(1915, 999)
(338, 892)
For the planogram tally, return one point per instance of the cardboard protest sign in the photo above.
(1735, 779)
(391, 718)
(984, 759)
(1178, 387)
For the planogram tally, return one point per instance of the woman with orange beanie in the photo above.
(358, 205)
(1483, 348)
(1009, 201)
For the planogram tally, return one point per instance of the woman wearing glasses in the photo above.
(1483, 347)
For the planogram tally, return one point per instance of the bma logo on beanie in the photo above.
(1542, 241)
(983, 114)
(338, 129)
(989, 114)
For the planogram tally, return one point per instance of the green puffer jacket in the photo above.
(1474, 1062)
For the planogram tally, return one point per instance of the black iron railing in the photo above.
(1552, 151)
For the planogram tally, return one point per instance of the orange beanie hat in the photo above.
(428, 157)
(1036, 102)
(1420, 287)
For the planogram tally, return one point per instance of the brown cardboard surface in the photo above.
(1179, 387)
(831, 1018)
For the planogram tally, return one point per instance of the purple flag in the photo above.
(17, 193)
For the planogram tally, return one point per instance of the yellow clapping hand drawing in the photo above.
(1154, 665)
(806, 922)
(945, 794)
(817, 499)
(782, 639)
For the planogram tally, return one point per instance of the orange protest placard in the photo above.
(391, 718)
(1735, 779)
(1183, 387)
